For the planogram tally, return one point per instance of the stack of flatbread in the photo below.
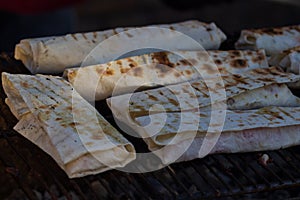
(260, 108)
(183, 101)
(56, 118)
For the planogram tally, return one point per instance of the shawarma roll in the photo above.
(181, 138)
(54, 54)
(170, 119)
(254, 89)
(273, 40)
(57, 119)
(160, 68)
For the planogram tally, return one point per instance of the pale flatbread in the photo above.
(289, 61)
(161, 68)
(54, 54)
(267, 128)
(253, 89)
(273, 40)
(57, 119)
(258, 106)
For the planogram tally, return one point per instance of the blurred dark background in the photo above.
(88, 15)
(230, 15)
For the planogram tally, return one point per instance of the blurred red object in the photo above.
(34, 6)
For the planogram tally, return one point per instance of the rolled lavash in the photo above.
(253, 89)
(273, 40)
(170, 130)
(56, 118)
(160, 68)
(181, 137)
(54, 54)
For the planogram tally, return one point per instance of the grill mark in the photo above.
(152, 97)
(240, 79)
(137, 114)
(128, 34)
(84, 36)
(43, 84)
(286, 113)
(95, 35)
(202, 92)
(43, 43)
(74, 37)
(174, 102)
(49, 88)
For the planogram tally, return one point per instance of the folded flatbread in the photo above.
(169, 131)
(56, 118)
(273, 40)
(54, 54)
(160, 68)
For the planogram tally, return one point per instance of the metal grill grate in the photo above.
(26, 171)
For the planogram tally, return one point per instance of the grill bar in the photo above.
(257, 173)
(105, 185)
(215, 190)
(288, 161)
(94, 192)
(231, 175)
(173, 174)
(275, 161)
(78, 190)
(14, 172)
(218, 178)
(219, 159)
(190, 176)
(172, 192)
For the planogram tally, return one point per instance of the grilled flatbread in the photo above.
(174, 126)
(288, 60)
(254, 89)
(54, 54)
(161, 68)
(57, 119)
(261, 129)
(273, 40)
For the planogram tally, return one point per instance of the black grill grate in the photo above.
(32, 171)
(26, 171)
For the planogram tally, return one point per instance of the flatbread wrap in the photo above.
(54, 54)
(56, 118)
(267, 128)
(160, 68)
(258, 105)
(253, 89)
(273, 40)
